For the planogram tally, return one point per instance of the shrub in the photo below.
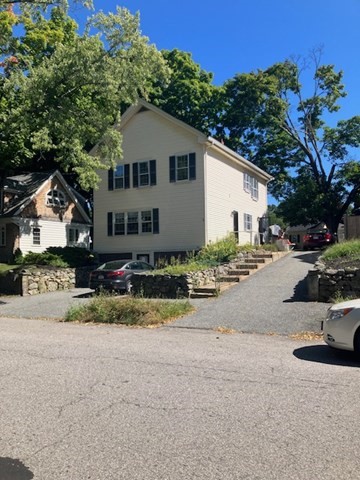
(350, 249)
(44, 258)
(73, 256)
(219, 252)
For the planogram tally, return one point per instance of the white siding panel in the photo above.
(225, 193)
(52, 234)
(148, 136)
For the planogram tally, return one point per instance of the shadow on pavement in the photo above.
(300, 292)
(12, 469)
(85, 295)
(309, 257)
(324, 354)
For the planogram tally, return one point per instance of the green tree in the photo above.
(270, 120)
(189, 95)
(61, 95)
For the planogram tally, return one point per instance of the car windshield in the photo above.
(114, 265)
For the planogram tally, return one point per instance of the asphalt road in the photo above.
(274, 299)
(85, 402)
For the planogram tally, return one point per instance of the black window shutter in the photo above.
(111, 179)
(192, 166)
(172, 169)
(135, 175)
(110, 223)
(156, 226)
(127, 176)
(152, 172)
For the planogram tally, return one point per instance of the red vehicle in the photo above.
(318, 239)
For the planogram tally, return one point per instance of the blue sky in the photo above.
(235, 36)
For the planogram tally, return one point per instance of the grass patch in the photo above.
(349, 249)
(129, 311)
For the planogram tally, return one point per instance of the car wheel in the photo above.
(357, 342)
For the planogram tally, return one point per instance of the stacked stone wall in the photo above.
(326, 284)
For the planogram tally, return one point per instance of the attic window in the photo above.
(55, 198)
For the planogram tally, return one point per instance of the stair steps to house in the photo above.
(238, 272)
(242, 270)
(229, 279)
(255, 260)
(246, 266)
(263, 256)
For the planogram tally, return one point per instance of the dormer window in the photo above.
(55, 198)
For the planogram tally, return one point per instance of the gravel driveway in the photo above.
(271, 300)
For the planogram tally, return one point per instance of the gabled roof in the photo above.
(25, 188)
(211, 142)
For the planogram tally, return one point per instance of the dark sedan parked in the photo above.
(116, 275)
(318, 239)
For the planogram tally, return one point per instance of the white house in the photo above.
(40, 210)
(174, 191)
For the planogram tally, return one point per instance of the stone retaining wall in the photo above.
(35, 280)
(172, 286)
(325, 284)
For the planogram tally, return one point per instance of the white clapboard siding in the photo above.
(52, 234)
(181, 205)
(225, 194)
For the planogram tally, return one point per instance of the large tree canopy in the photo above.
(60, 91)
(271, 120)
(189, 94)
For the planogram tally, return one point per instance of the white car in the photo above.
(342, 326)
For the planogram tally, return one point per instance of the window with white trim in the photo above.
(73, 236)
(247, 222)
(119, 177)
(2, 235)
(251, 185)
(133, 223)
(55, 198)
(36, 236)
(182, 167)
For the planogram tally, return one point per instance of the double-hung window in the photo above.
(182, 167)
(251, 185)
(119, 178)
(146, 221)
(144, 173)
(247, 222)
(73, 236)
(2, 235)
(119, 223)
(36, 236)
(254, 188)
(134, 222)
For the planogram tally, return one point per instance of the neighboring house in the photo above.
(174, 191)
(39, 210)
